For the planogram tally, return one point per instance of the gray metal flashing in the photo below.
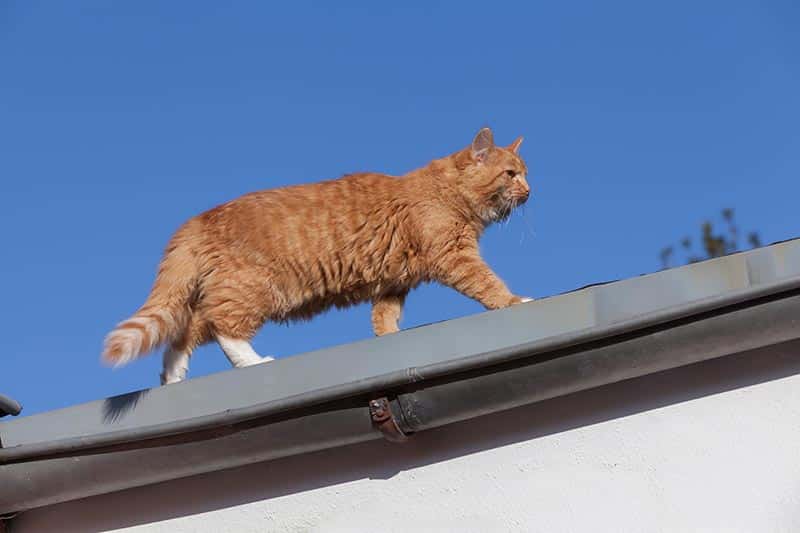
(553, 346)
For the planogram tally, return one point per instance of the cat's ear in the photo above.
(482, 144)
(514, 147)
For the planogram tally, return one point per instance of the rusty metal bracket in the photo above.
(5, 522)
(383, 419)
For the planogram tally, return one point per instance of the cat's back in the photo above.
(332, 210)
(341, 194)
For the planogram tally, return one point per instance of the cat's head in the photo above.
(492, 178)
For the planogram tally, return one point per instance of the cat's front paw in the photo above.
(520, 300)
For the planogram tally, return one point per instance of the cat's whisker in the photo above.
(527, 223)
(506, 214)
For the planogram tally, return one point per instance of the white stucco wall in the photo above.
(712, 447)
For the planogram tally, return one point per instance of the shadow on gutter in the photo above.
(383, 460)
(117, 407)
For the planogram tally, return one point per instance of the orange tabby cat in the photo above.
(290, 253)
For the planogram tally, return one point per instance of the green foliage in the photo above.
(711, 243)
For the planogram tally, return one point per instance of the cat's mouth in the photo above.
(518, 200)
(506, 209)
(503, 206)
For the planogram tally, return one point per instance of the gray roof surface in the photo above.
(585, 308)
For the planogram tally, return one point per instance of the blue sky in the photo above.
(118, 121)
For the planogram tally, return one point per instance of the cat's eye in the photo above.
(511, 173)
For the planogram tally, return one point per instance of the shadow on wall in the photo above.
(382, 460)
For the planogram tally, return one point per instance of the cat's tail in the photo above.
(164, 316)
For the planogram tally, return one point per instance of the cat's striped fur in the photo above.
(289, 253)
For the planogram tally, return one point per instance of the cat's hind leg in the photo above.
(234, 311)
(176, 364)
(176, 357)
(240, 352)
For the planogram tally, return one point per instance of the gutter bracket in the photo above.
(5, 522)
(383, 419)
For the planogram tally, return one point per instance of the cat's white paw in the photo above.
(262, 359)
(525, 299)
(170, 379)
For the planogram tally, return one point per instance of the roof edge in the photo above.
(421, 399)
(177, 431)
